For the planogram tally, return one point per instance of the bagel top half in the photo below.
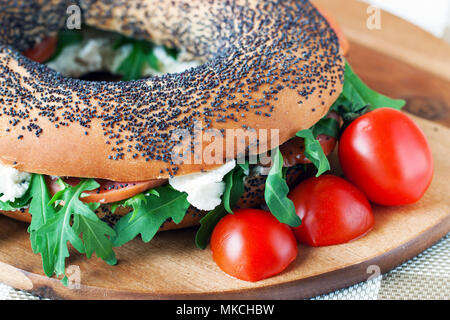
(268, 65)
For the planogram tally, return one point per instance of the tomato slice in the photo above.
(337, 29)
(109, 191)
(43, 50)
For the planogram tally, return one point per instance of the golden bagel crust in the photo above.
(269, 65)
(253, 197)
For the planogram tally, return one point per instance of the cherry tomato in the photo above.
(109, 191)
(43, 50)
(345, 45)
(387, 157)
(332, 210)
(252, 245)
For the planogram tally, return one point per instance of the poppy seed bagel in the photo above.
(268, 64)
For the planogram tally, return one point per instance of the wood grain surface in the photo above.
(399, 60)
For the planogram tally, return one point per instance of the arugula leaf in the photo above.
(207, 225)
(245, 167)
(276, 192)
(149, 213)
(58, 229)
(41, 212)
(17, 203)
(131, 67)
(360, 95)
(326, 126)
(38, 197)
(12, 206)
(39, 207)
(314, 151)
(173, 52)
(141, 53)
(356, 99)
(95, 238)
(58, 232)
(6, 206)
(152, 61)
(121, 203)
(234, 189)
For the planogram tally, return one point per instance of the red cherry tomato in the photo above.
(109, 191)
(252, 245)
(387, 157)
(332, 210)
(43, 50)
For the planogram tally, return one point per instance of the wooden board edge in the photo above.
(431, 55)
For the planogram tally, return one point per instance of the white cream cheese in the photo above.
(204, 189)
(13, 183)
(97, 53)
(168, 64)
(90, 55)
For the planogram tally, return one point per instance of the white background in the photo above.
(431, 15)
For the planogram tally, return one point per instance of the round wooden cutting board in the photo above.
(171, 267)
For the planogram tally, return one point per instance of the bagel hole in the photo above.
(96, 55)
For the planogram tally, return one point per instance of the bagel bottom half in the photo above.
(253, 197)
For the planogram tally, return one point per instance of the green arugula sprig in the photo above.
(18, 203)
(65, 218)
(38, 198)
(141, 54)
(42, 212)
(357, 98)
(234, 189)
(150, 211)
(276, 191)
(314, 151)
(60, 219)
(71, 221)
(326, 126)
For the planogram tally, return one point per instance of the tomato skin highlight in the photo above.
(252, 245)
(332, 210)
(387, 156)
(43, 50)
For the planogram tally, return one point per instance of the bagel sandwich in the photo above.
(197, 108)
